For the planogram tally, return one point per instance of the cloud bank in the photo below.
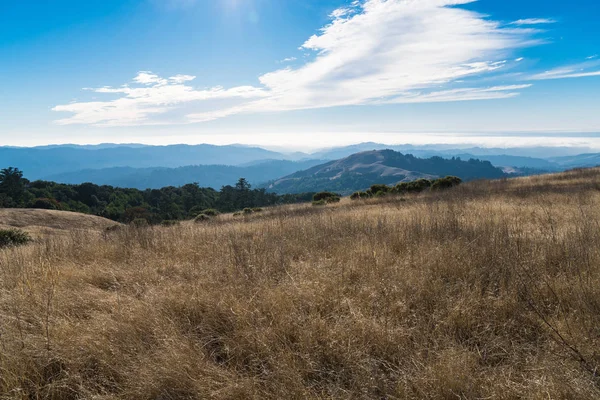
(372, 52)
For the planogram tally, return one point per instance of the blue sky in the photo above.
(300, 73)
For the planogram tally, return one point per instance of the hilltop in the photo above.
(361, 170)
(51, 221)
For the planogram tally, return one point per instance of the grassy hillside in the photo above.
(490, 290)
(581, 160)
(50, 221)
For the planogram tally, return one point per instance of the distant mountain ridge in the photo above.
(361, 170)
(578, 161)
(77, 163)
(214, 176)
(444, 150)
(41, 163)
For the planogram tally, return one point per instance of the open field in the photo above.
(487, 291)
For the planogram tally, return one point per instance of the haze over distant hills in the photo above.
(578, 161)
(143, 166)
(40, 163)
(214, 176)
(429, 150)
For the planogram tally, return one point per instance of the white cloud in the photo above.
(181, 78)
(376, 51)
(464, 94)
(137, 105)
(289, 59)
(564, 74)
(582, 70)
(148, 78)
(534, 21)
(340, 12)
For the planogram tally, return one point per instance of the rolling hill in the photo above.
(41, 163)
(578, 161)
(446, 150)
(503, 160)
(214, 176)
(361, 170)
(499, 157)
(40, 222)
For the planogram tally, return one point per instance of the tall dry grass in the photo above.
(490, 291)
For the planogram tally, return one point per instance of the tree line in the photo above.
(126, 205)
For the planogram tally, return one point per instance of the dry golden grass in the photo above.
(490, 291)
(50, 222)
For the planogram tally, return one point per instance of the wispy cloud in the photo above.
(157, 96)
(463, 94)
(533, 21)
(373, 52)
(582, 70)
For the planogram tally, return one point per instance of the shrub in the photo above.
(334, 199)
(211, 212)
(324, 196)
(194, 211)
(13, 237)
(169, 222)
(139, 222)
(237, 213)
(257, 209)
(445, 183)
(46, 204)
(359, 195)
(383, 189)
(247, 211)
(319, 202)
(201, 218)
(417, 186)
(134, 213)
(113, 228)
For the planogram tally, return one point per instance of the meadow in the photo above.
(490, 290)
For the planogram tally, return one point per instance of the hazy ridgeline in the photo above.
(490, 290)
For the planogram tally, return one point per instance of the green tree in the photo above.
(243, 185)
(12, 186)
(243, 196)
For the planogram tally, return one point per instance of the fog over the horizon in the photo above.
(314, 141)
